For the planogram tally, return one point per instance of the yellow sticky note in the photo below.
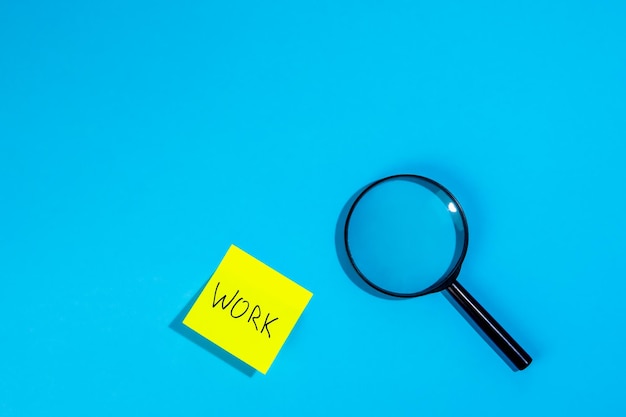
(248, 309)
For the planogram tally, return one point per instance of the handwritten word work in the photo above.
(254, 314)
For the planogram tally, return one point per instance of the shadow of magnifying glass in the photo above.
(405, 236)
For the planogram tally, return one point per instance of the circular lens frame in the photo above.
(450, 275)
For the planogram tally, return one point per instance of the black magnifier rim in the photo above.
(443, 282)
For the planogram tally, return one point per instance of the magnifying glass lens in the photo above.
(402, 236)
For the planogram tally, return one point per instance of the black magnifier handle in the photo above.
(492, 329)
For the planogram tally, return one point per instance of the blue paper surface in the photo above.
(138, 140)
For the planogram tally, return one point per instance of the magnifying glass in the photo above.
(406, 236)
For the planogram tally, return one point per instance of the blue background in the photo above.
(138, 140)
